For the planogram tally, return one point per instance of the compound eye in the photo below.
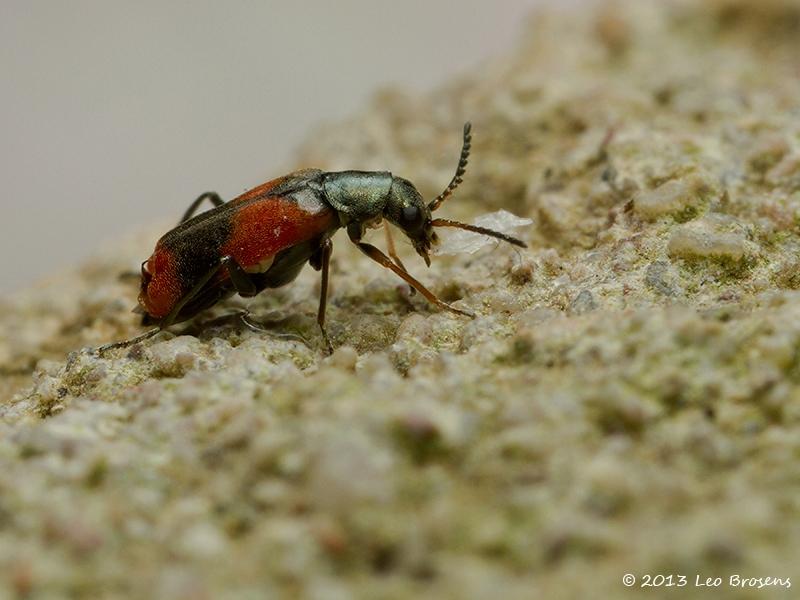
(146, 270)
(411, 218)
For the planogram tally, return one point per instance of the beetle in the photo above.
(264, 237)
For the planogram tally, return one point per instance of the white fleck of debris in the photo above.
(202, 540)
(308, 201)
(458, 241)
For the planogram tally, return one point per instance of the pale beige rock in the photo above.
(627, 399)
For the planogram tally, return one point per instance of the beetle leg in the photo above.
(393, 252)
(315, 260)
(100, 350)
(240, 278)
(211, 196)
(326, 248)
(383, 260)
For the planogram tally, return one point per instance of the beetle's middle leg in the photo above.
(212, 197)
(321, 260)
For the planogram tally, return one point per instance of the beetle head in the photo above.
(407, 210)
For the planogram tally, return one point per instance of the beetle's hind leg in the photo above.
(166, 321)
(242, 282)
(100, 350)
(212, 197)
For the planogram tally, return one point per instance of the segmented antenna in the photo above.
(462, 167)
(478, 229)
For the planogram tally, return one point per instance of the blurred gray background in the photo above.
(117, 114)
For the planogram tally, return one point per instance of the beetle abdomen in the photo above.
(252, 229)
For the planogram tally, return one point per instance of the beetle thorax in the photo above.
(357, 195)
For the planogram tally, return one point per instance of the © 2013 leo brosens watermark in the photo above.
(735, 580)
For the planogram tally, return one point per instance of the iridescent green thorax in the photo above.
(363, 198)
(357, 195)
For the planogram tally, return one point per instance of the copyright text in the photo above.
(676, 580)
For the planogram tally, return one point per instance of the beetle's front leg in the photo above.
(354, 231)
(212, 197)
(390, 248)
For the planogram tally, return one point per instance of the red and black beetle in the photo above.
(263, 238)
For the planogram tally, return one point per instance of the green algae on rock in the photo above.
(626, 401)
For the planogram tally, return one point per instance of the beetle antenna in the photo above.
(462, 167)
(477, 229)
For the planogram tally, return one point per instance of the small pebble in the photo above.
(702, 240)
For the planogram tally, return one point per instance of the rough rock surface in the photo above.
(626, 401)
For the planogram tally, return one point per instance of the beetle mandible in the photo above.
(263, 238)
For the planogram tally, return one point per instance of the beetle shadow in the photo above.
(274, 323)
